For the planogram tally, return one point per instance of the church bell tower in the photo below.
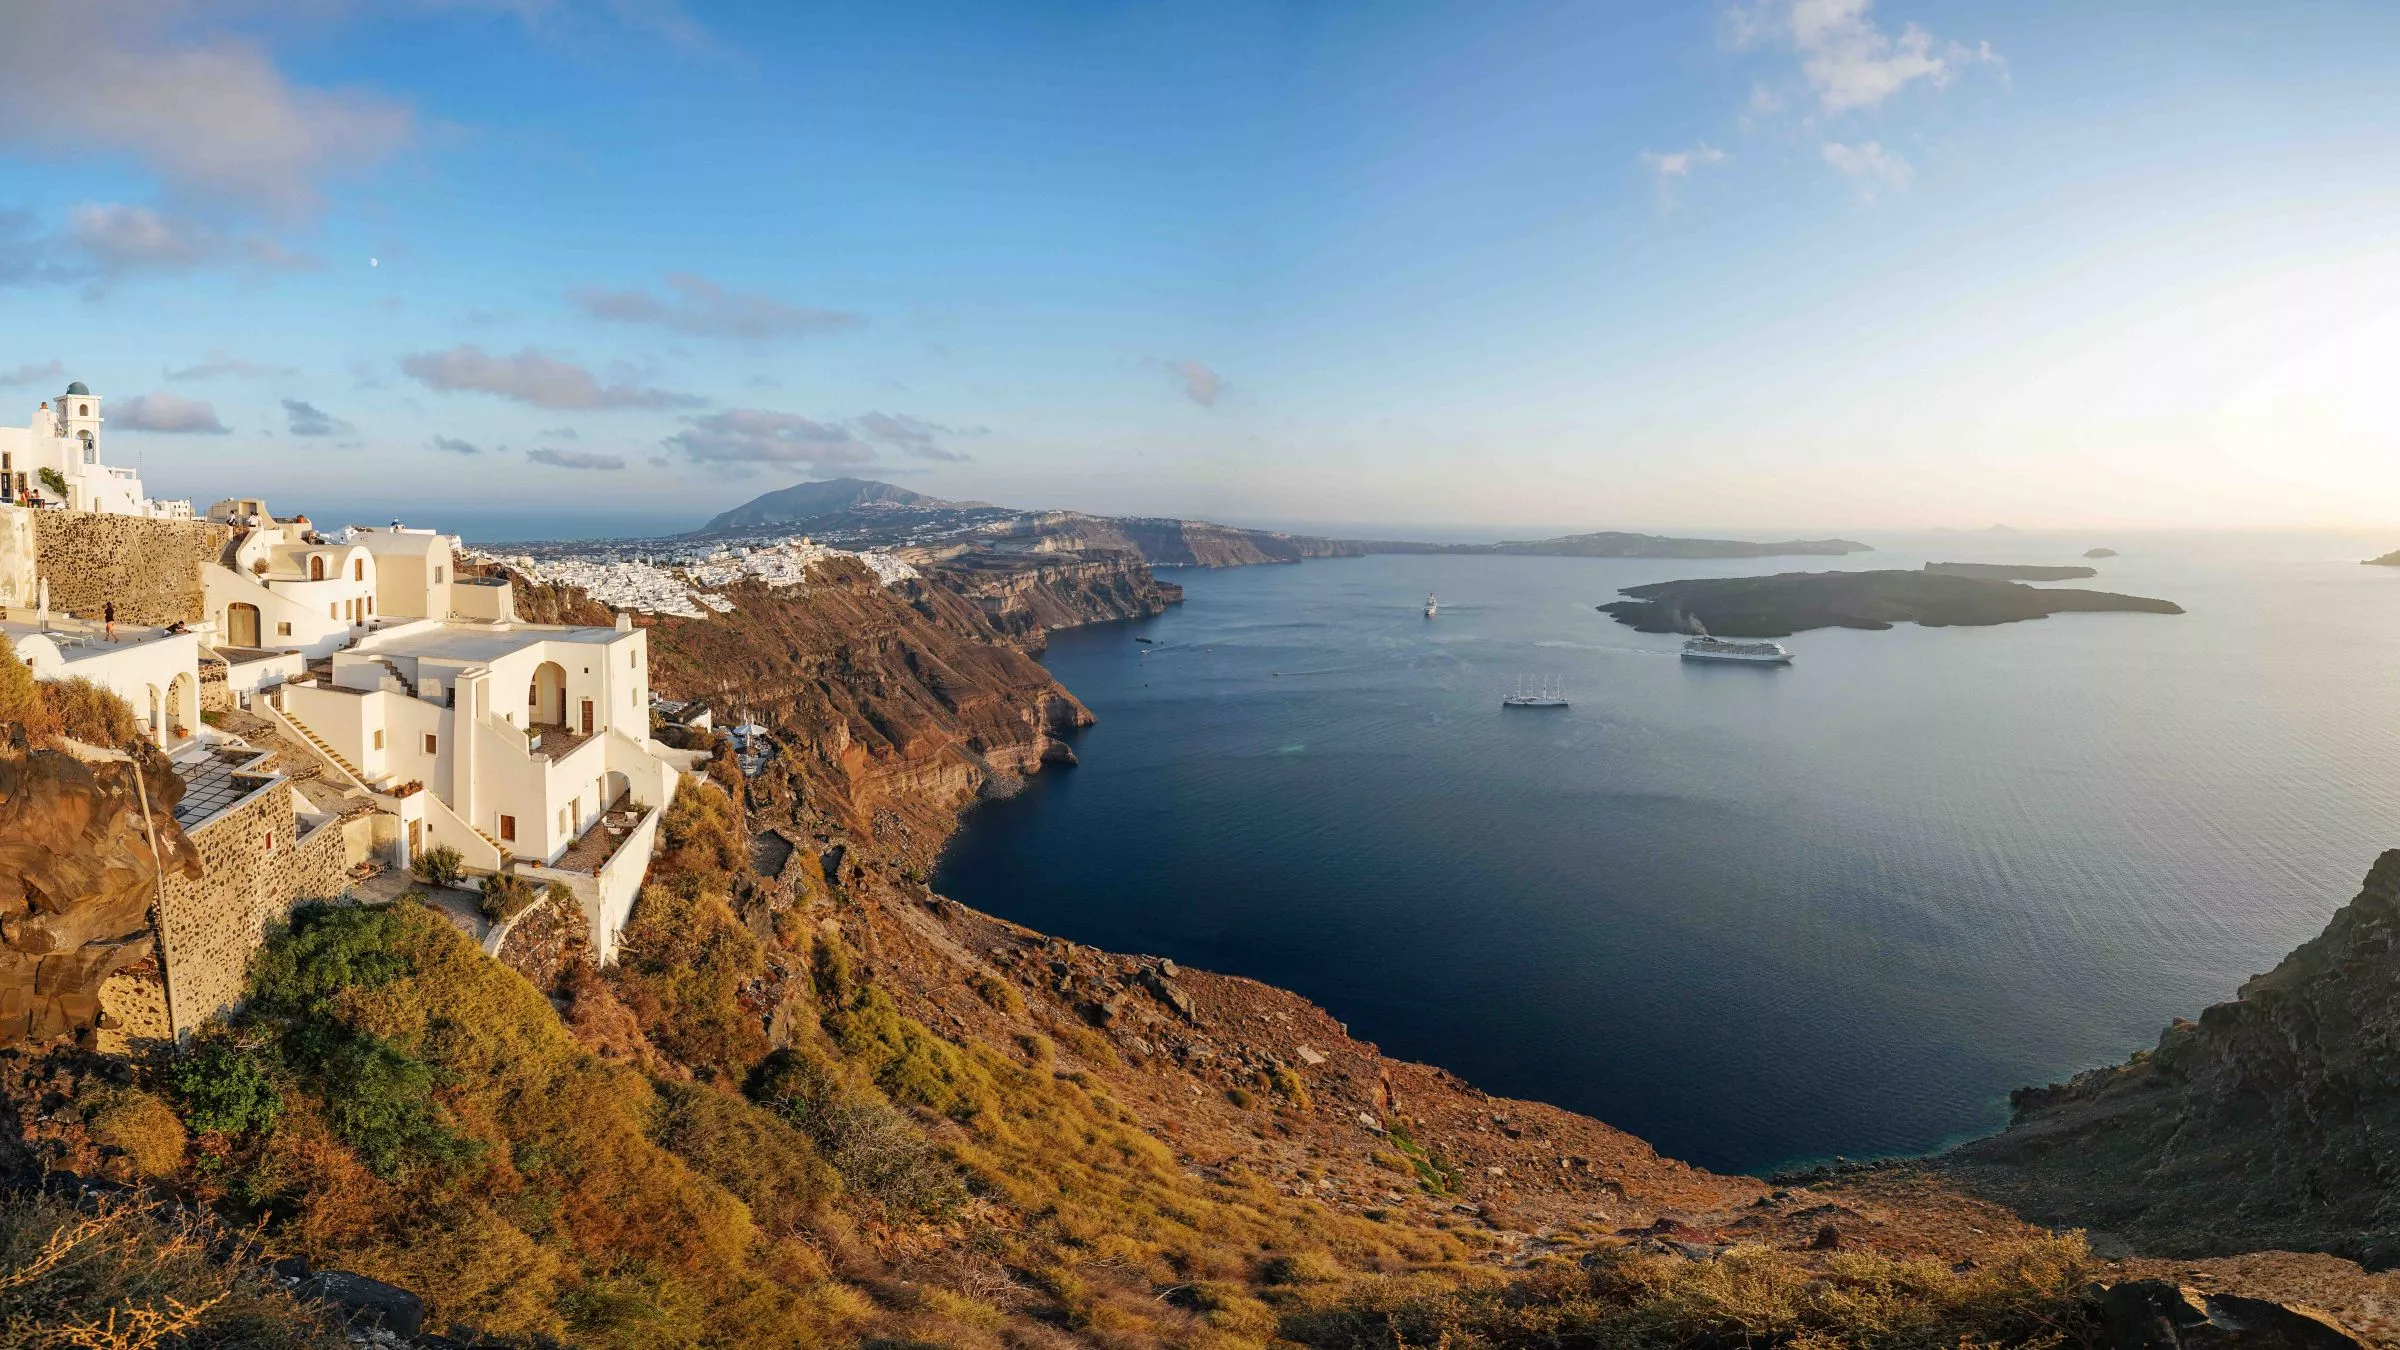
(79, 422)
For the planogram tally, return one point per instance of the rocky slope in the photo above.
(1158, 540)
(77, 874)
(2273, 1121)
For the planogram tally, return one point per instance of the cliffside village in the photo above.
(337, 701)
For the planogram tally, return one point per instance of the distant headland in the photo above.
(1793, 602)
(2010, 571)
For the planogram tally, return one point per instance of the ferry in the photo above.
(1546, 695)
(1706, 648)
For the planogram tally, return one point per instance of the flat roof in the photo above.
(477, 643)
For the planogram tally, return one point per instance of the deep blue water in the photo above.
(1755, 916)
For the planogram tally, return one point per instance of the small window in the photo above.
(358, 569)
(83, 410)
(283, 630)
(429, 742)
(508, 829)
(565, 825)
(332, 611)
(270, 841)
(379, 738)
(437, 576)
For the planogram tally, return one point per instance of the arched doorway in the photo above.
(241, 624)
(546, 698)
(316, 567)
(183, 704)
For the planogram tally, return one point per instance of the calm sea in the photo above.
(1757, 916)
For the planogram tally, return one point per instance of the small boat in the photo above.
(1431, 604)
(1144, 641)
(1702, 647)
(1547, 694)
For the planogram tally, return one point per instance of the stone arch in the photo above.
(183, 704)
(546, 698)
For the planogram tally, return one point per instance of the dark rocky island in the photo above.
(2010, 571)
(2099, 553)
(1793, 602)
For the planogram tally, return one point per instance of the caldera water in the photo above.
(1758, 916)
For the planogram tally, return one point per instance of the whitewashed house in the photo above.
(54, 460)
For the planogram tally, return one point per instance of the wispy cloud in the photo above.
(531, 377)
(1200, 384)
(307, 419)
(739, 437)
(218, 365)
(166, 412)
(702, 308)
(47, 372)
(1869, 166)
(1847, 59)
(452, 445)
(1680, 163)
(574, 459)
(210, 113)
(913, 436)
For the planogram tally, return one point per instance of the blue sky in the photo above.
(1815, 263)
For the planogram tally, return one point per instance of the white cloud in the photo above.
(307, 419)
(1847, 59)
(574, 459)
(703, 308)
(209, 113)
(748, 436)
(1869, 166)
(530, 377)
(48, 372)
(1680, 163)
(166, 412)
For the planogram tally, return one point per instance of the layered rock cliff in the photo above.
(1026, 597)
(2273, 1121)
(1159, 540)
(79, 867)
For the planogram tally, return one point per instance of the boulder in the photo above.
(365, 1302)
(2159, 1315)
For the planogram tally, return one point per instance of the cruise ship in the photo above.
(1546, 695)
(1706, 648)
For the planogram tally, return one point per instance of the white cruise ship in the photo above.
(1545, 695)
(1706, 648)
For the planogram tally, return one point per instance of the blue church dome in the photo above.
(77, 388)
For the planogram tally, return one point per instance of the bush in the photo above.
(226, 1086)
(89, 713)
(682, 964)
(507, 895)
(123, 1276)
(438, 866)
(143, 1126)
(1000, 994)
(879, 1153)
(756, 1154)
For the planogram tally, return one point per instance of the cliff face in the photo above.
(2273, 1121)
(77, 877)
(1025, 597)
(1162, 541)
(894, 706)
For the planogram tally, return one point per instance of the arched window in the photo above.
(316, 567)
(83, 410)
(90, 455)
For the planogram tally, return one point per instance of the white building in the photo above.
(155, 671)
(55, 460)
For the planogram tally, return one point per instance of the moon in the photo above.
(374, 262)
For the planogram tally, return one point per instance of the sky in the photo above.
(1837, 264)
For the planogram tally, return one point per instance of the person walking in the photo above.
(108, 616)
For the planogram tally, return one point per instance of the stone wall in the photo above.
(150, 568)
(257, 872)
(133, 1011)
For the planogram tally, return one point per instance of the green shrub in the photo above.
(438, 866)
(225, 1085)
(507, 895)
(682, 964)
(53, 480)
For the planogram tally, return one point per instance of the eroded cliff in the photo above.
(2273, 1121)
(1025, 597)
(79, 865)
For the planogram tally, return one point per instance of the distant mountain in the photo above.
(834, 496)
